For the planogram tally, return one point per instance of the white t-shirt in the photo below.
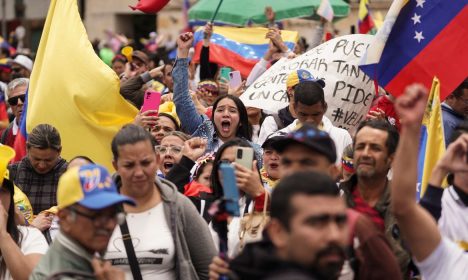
(233, 230)
(153, 243)
(255, 131)
(453, 221)
(32, 242)
(446, 262)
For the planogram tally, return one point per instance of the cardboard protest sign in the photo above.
(348, 90)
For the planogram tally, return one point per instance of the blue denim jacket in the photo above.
(191, 122)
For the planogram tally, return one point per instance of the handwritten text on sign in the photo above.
(348, 91)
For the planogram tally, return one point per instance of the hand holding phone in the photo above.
(234, 79)
(245, 156)
(151, 101)
(231, 192)
(224, 73)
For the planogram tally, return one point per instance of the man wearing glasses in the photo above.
(89, 209)
(16, 93)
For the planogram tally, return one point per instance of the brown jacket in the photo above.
(392, 231)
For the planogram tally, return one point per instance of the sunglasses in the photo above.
(16, 69)
(13, 101)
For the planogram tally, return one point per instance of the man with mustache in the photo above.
(308, 233)
(89, 205)
(309, 149)
(368, 190)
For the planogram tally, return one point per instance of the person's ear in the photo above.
(114, 164)
(278, 234)
(325, 107)
(334, 171)
(65, 219)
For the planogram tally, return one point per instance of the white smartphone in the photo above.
(245, 156)
(234, 79)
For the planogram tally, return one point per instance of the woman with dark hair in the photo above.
(229, 118)
(166, 231)
(21, 247)
(250, 185)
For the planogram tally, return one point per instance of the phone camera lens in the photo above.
(239, 153)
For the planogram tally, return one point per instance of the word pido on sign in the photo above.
(348, 90)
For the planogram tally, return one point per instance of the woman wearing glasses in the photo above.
(169, 151)
(169, 238)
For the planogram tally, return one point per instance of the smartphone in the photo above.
(245, 156)
(234, 79)
(151, 101)
(225, 73)
(231, 192)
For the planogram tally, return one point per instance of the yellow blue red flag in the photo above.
(239, 48)
(73, 90)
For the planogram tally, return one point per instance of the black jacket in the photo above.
(258, 261)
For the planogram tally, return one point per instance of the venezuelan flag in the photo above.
(239, 48)
(365, 22)
(72, 89)
(432, 145)
(419, 40)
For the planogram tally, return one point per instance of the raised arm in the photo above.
(417, 225)
(188, 115)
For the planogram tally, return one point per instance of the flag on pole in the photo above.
(419, 40)
(185, 8)
(432, 146)
(325, 10)
(73, 90)
(365, 22)
(239, 48)
(150, 6)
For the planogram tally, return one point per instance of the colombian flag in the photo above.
(72, 89)
(432, 145)
(239, 48)
(419, 40)
(365, 22)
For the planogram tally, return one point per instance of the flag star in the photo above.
(416, 18)
(418, 36)
(420, 3)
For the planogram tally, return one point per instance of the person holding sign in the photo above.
(229, 119)
(310, 107)
(285, 116)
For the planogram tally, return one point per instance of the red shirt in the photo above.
(364, 208)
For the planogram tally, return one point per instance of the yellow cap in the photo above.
(127, 52)
(169, 109)
(6, 154)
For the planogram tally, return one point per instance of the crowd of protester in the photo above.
(314, 201)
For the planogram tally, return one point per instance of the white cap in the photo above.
(24, 61)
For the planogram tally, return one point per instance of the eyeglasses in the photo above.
(175, 150)
(99, 218)
(13, 101)
(16, 69)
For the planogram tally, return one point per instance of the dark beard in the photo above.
(16, 76)
(330, 271)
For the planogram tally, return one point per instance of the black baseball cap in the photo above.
(309, 136)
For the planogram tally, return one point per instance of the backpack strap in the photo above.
(278, 121)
